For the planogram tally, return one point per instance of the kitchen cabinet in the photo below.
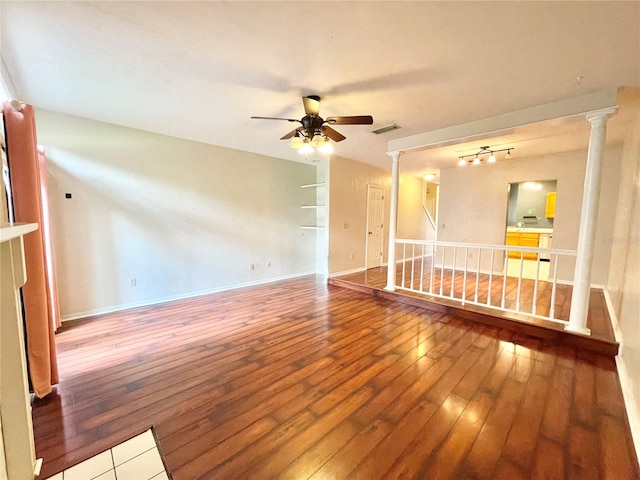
(523, 239)
(550, 210)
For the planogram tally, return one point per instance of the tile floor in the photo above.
(135, 459)
(528, 269)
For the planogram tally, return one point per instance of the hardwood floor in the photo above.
(601, 340)
(297, 379)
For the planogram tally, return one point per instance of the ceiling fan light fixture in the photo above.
(462, 162)
(296, 143)
(492, 158)
(306, 149)
(476, 161)
(315, 132)
(326, 148)
(318, 141)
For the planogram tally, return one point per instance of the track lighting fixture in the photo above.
(477, 157)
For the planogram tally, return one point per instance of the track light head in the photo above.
(484, 150)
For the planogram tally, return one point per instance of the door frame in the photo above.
(366, 232)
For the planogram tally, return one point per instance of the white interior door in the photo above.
(375, 217)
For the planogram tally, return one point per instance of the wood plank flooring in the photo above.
(601, 340)
(297, 379)
(416, 275)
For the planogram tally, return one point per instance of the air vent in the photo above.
(385, 129)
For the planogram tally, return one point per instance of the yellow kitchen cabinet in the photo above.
(550, 210)
(513, 238)
(523, 239)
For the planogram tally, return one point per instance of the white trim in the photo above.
(566, 109)
(347, 272)
(7, 87)
(417, 257)
(570, 282)
(630, 401)
(488, 246)
(612, 315)
(366, 239)
(171, 298)
(15, 230)
(393, 220)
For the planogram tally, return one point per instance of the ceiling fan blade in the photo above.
(289, 135)
(332, 134)
(311, 104)
(276, 118)
(353, 120)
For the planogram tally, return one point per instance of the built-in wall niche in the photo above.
(532, 204)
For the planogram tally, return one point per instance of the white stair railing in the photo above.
(449, 270)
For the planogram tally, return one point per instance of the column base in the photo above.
(390, 288)
(582, 330)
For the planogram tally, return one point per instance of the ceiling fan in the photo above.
(315, 131)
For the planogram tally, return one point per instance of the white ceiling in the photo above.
(199, 70)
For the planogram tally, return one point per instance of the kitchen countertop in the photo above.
(529, 230)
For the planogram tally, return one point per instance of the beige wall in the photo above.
(623, 286)
(412, 219)
(348, 207)
(473, 202)
(180, 217)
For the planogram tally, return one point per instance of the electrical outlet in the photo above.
(252, 266)
(268, 264)
(132, 282)
(352, 255)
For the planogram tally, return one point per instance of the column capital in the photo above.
(395, 155)
(596, 117)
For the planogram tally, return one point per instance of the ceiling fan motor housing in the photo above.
(312, 124)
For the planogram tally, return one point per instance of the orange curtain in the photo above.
(40, 304)
(49, 271)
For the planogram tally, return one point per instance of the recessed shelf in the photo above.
(311, 207)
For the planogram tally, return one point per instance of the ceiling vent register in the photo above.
(385, 129)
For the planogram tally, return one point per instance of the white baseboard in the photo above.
(624, 373)
(346, 272)
(612, 314)
(171, 298)
(629, 401)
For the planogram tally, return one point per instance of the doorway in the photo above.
(530, 217)
(375, 216)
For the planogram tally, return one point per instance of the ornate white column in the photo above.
(393, 221)
(588, 222)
